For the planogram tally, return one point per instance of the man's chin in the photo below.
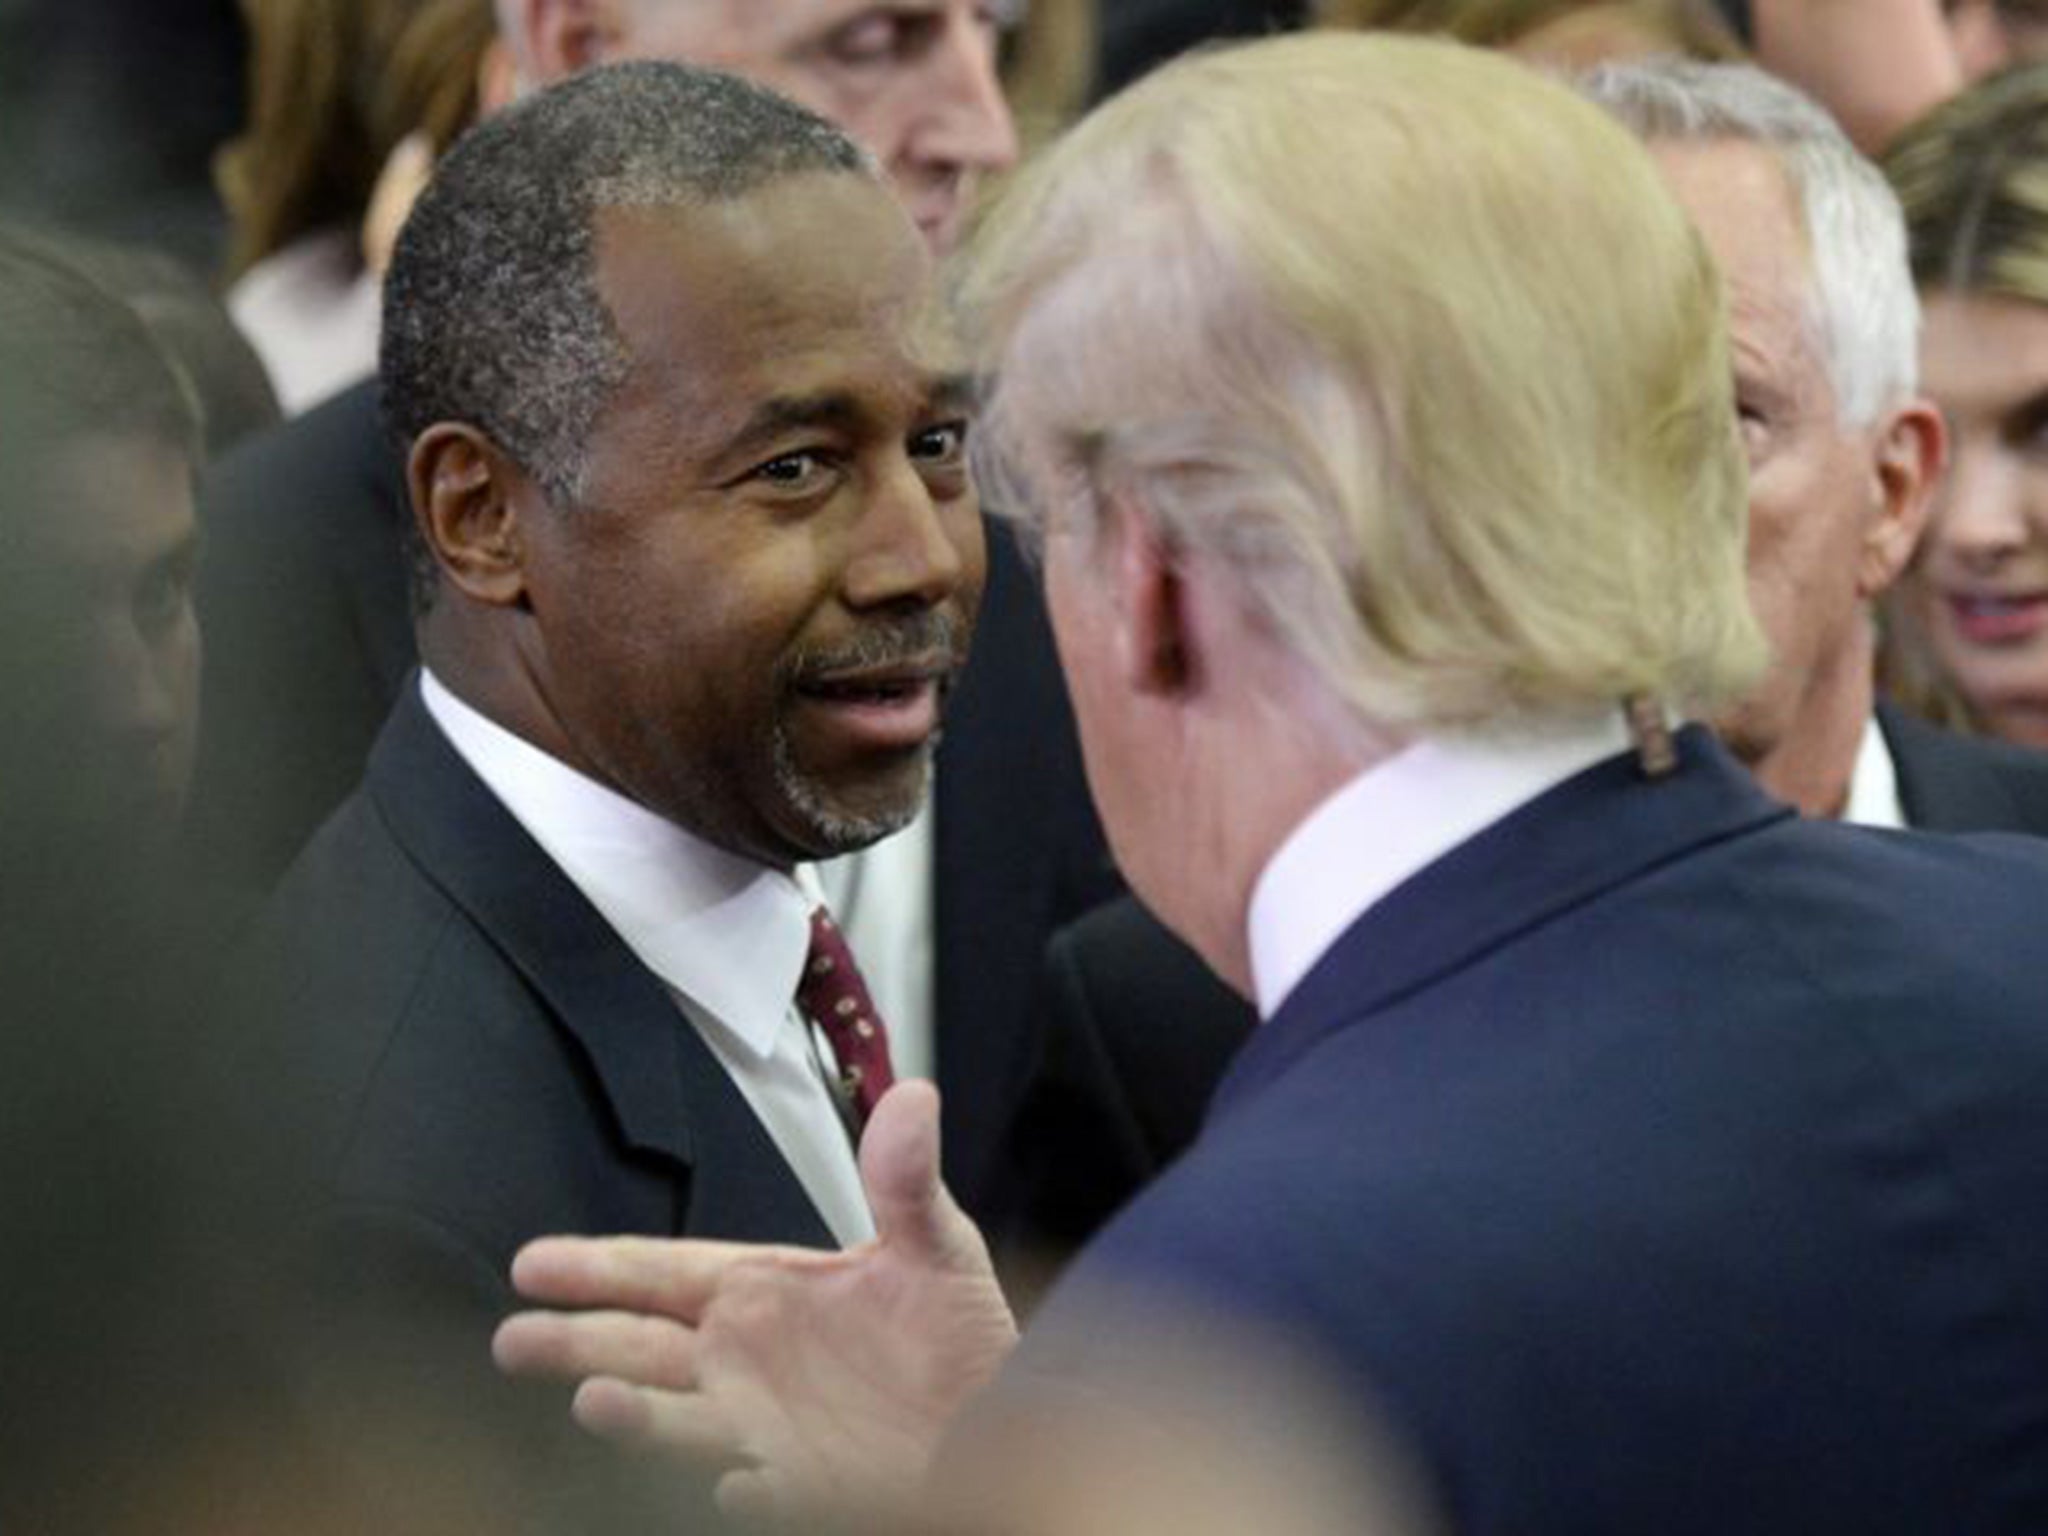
(833, 820)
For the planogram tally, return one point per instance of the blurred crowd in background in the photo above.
(198, 202)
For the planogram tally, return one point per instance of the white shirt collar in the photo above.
(1874, 783)
(1390, 822)
(726, 932)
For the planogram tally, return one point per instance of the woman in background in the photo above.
(350, 103)
(1967, 638)
(1567, 35)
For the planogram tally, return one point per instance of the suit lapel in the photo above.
(1595, 831)
(670, 1095)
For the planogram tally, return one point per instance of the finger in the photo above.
(750, 1494)
(652, 1351)
(685, 1423)
(899, 1169)
(671, 1276)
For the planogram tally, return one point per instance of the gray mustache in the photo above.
(934, 632)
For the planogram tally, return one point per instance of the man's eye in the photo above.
(876, 38)
(793, 471)
(945, 444)
(1753, 424)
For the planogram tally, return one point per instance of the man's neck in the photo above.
(1811, 764)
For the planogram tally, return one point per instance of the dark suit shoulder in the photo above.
(302, 600)
(1136, 1032)
(429, 1077)
(1949, 782)
(1690, 1172)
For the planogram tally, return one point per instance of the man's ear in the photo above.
(1911, 449)
(462, 491)
(565, 37)
(1155, 640)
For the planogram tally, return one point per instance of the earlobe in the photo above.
(1912, 447)
(462, 497)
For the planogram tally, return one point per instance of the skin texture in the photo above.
(913, 81)
(1980, 588)
(1876, 65)
(748, 621)
(1833, 511)
(103, 643)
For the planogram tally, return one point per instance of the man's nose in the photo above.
(967, 124)
(913, 547)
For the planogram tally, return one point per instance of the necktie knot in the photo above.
(833, 996)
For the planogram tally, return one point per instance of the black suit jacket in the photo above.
(1949, 782)
(475, 1055)
(457, 1054)
(303, 599)
(1139, 1030)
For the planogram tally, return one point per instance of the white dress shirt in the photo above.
(1874, 783)
(1389, 823)
(311, 311)
(726, 936)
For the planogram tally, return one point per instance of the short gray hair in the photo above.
(492, 314)
(1865, 313)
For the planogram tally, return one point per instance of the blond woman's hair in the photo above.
(1414, 341)
(1694, 28)
(1973, 178)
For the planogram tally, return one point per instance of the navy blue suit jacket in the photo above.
(1659, 1162)
(1138, 1030)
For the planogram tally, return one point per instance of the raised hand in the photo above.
(825, 1377)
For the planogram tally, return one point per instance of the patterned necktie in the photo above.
(833, 997)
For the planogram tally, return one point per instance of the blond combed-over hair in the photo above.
(1410, 338)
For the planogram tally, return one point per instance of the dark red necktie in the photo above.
(833, 997)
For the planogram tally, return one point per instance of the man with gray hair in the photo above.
(1843, 453)
(703, 559)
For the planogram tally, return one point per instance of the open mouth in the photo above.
(878, 709)
(1985, 619)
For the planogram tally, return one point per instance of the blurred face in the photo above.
(1990, 35)
(1981, 587)
(98, 621)
(914, 81)
(1814, 495)
(751, 619)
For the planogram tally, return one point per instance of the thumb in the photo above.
(899, 1170)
